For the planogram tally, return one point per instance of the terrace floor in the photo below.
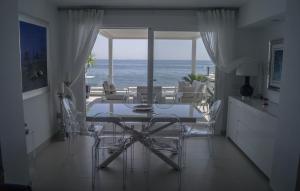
(226, 169)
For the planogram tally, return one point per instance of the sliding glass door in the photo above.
(177, 56)
(119, 57)
(152, 61)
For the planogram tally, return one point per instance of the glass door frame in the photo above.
(150, 66)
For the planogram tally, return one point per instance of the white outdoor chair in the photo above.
(195, 94)
(110, 92)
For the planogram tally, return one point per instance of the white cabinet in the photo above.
(252, 128)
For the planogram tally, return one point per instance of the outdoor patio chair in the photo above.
(110, 92)
(196, 94)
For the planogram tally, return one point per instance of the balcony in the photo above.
(124, 61)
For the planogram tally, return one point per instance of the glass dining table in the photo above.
(118, 113)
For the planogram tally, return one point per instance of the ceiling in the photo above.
(143, 34)
(181, 4)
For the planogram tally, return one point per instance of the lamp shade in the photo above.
(247, 67)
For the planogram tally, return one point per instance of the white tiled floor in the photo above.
(228, 169)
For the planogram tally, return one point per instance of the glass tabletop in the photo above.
(186, 112)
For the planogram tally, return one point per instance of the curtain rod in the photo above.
(143, 8)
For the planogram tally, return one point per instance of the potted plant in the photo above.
(198, 77)
(90, 62)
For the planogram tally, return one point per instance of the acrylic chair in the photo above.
(130, 102)
(206, 127)
(74, 127)
(112, 141)
(73, 122)
(168, 140)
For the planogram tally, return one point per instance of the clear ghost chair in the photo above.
(170, 139)
(130, 101)
(206, 127)
(73, 122)
(99, 131)
(164, 103)
(112, 141)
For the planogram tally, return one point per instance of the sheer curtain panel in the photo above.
(217, 28)
(79, 32)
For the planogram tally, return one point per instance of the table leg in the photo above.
(161, 155)
(134, 138)
(137, 136)
(116, 154)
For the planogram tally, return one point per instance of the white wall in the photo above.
(258, 11)
(256, 16)
(287, 147)
(37, 117)
(12, 134)
(247, 43)
(254, 42)
(39, 111)
(156, 19)
(275, 31)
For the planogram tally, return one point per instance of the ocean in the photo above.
(134, 72)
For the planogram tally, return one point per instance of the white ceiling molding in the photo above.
(143, 34)
(180, 4)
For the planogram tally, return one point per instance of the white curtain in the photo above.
(217, 28)
(80, 29)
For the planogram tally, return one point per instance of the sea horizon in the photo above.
(133, 72)
(154, 60)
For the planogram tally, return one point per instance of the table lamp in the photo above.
(247, 67)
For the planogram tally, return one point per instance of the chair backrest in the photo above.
(188, 92)
(160, 123)
(142, 93)
(68, 92)
(106, 87)
(197, 90)
(199, 87)
(109, 88)
(70, 116)
(181, 85)
(163, 118)
(157, 93)
(68, 107)
(214, 109)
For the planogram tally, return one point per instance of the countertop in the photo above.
(272, 108)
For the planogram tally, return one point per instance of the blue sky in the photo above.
(137, 49)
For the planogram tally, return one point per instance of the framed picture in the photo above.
(34, 56)
(276, 53)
